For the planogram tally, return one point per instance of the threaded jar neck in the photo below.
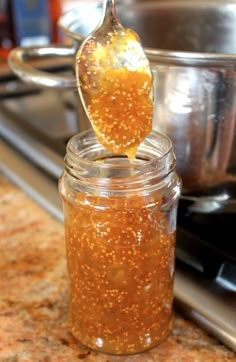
(92, 167)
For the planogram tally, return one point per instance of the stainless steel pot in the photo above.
(192, 49)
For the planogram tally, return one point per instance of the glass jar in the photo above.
(120, 223)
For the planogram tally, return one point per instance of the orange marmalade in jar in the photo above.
(120, 222)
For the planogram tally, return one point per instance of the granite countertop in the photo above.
(34, 296)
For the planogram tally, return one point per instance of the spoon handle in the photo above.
(109, 10)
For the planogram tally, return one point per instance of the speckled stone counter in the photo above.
(34, 296)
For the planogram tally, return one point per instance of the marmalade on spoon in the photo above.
(117, 91)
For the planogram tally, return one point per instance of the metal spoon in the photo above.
(115, 84)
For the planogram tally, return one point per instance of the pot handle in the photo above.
(17, 61)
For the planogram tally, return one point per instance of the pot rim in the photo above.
(162, 56)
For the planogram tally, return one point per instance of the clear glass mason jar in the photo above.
(120, 223)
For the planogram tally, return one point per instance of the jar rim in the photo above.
(82, 143)
(93, 166)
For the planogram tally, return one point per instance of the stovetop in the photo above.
(36, 124)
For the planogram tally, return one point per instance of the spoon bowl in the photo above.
(114, 81)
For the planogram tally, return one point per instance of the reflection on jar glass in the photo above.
(120, 221)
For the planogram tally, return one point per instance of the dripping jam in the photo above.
(119, 98)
